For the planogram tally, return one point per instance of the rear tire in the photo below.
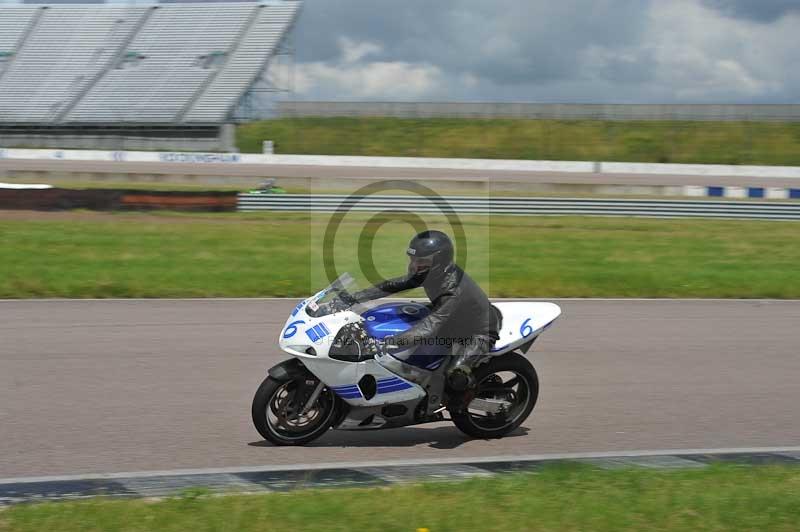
(486, 376)
(269, 414)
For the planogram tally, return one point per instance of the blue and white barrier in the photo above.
(773, 193)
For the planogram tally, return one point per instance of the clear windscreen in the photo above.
(334, 298)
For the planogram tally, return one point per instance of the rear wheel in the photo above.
(277, 412)
(506, 392)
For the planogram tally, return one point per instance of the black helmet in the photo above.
(429, 250)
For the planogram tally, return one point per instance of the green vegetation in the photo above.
(259, 254)
(758, 143)
(566, 497)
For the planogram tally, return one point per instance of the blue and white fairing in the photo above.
(522, 323)
(311, 337)
(391, 319)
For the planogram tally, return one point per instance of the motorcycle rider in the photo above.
(461, 316)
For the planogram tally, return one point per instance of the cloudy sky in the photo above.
(609, 51)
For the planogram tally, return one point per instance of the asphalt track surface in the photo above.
(370, 174)
(138, 385)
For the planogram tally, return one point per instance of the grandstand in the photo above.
(170, 75)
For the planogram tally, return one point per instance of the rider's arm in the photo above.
(443, 309)
(388, 287)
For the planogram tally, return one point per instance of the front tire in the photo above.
(510, 378)
(275, 414)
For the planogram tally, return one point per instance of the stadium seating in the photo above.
(257, 46)
(167, 63)
(56, 62)
(13, 24)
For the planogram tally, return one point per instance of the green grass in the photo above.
(248, 255)
(758, 143)
(558, 498)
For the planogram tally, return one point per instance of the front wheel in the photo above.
(505, 394)
(278, 417)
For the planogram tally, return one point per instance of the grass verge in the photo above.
(101, 255)
(757, 143)
(565, 497)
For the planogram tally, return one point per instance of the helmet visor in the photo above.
(419, 264)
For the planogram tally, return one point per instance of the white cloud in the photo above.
(378, 80)
(349, 77)
(702, 55)
(691, 53)
(353, 52)
(637, 51)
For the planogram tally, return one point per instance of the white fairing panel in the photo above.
(343, 377)
(522, 322)
(302, 332)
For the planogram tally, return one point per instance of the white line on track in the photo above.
(401, 463)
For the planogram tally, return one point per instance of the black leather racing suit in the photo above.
(461, 315)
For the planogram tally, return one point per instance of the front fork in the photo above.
(293, 369)
(313, 398)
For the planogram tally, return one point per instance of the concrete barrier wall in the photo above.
(699, 112)
(131, 142)
(92, 138)
(407, 162)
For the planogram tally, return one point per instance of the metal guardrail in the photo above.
(323, 203)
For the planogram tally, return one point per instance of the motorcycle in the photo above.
(342, 375)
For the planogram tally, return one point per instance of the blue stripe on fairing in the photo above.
(716, 191)
(388, 385)
(390, 382)
(349, 396)
(755, 192)
(401, 385)
(348, 392)
(394, 385)
(384, 392)
(395, 388)
(794, 193)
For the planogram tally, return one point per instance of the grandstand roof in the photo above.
(175, 63)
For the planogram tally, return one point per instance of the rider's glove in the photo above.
(347, 298)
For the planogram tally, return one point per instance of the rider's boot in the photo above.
(460, 380)
(460, 383)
